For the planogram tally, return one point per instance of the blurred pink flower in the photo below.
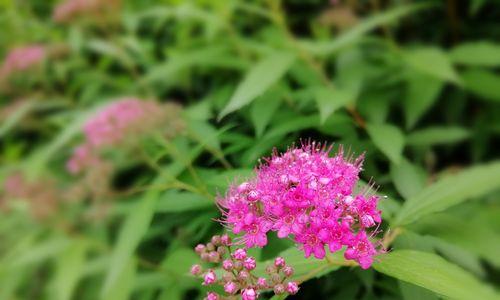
(69, 10)
(21, 59)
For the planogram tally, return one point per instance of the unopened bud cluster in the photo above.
(237, 275)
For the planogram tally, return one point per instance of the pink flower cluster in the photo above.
(21, 59)
(41, 195)
(120, 121)
(71, 9)
(309, 196)
(238, 267)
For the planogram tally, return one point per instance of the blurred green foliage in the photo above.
(414, 84)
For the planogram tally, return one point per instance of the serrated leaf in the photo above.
(451, 190)
(483, 83)
(437, 136)
(329, 99)
(389, 139)
(434, 273)
(258, 79)
(483, 53)
(421, 92)
(433, 62)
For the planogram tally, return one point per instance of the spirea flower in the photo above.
(309, 196)
(69, 10)
(122, 121)
(238, 272)
(40, 194)
(22, 59)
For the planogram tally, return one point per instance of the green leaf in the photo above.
(354, 35)
(263, 109)
(258, 79)
(69, 269)
(126, 280)
(414, 292)
(176, 201)
(421, 93)
(483, 54)
(433, 62)
(16, 116)
(407, 178)
(130, 235)
(330, 99)
(437, 136)
(389, 139)
(483, 83)
(432, 272)
(448, 191)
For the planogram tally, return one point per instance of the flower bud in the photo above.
(200, 248)
(210, 247)
(238, 265)
(288, 271)
(279, 262)
(209, 278)
(227, 265)
(270, 269)
(292, 288)
(230, 287)
(225, 240)
(196, 270)
(249, 294)
(253, 196)
(262, 283)
(213, 257)
(216, 240)
(212, 296)
(242, 188)
(240, 254)
(249, 263)
(275, 278)
(221, 250)
(205, 256)
(243, 275)
(279, 289)
(227, 276)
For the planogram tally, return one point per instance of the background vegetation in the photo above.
(414, 84)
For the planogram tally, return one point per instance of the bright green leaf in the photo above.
(484, 83)
(258, 79)
(451, 190)
(437, 136)
(433, 62)
(421, 92)
(389, 139)
(330, 99)
(433, 273)
(407, 178)
(484, 53)
(176, 201)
